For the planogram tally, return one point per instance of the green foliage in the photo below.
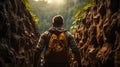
(75, 26)
(72, 10)
(27, 4)
(80, 14)
(45, 13)
(35, 19)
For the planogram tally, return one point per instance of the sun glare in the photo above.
(36, 0)
(56, 1)
(49, 1)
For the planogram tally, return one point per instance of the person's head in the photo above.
(57, 21)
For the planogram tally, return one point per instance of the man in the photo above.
(58, 56)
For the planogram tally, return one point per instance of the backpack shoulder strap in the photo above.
(67, 34)
(62, 35)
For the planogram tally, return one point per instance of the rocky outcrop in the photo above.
(18, 35)
(98, 36)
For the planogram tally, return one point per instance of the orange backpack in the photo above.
(57, 49)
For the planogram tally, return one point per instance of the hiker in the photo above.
(55, 44)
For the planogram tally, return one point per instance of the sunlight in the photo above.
(57, 2)
(36, 0)
(49, 1)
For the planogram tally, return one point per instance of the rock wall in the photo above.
(98, 36)
(18, 35)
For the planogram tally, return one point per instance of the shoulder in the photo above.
(68, 34)
(45, 34)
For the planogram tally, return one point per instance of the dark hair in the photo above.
(57, 21)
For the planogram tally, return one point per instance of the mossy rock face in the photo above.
(98, 37)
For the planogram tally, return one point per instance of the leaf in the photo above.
(80, 14)
(27, 4)
(35, 19)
